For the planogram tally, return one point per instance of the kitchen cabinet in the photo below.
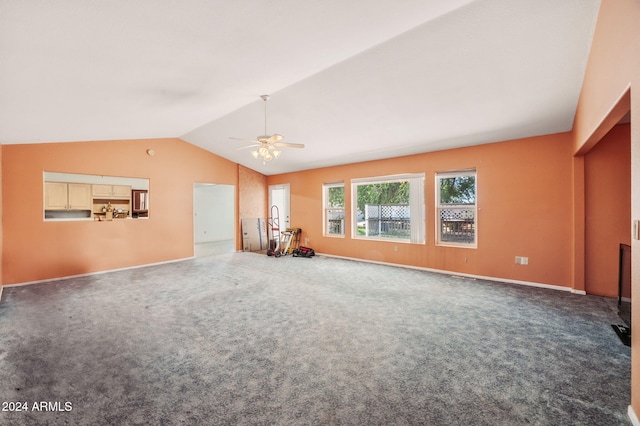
(55, 196)
(118, 196)
(67, 196)
(79, 196)
(121, 191)
(111, 191)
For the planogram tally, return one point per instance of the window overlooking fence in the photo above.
(456, 208)
(333, 201)
(389, 208)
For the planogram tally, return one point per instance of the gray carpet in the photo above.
(247, 339)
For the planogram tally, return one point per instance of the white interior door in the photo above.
(279, 196)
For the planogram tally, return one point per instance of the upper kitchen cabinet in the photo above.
(67, 196)
(112, 191)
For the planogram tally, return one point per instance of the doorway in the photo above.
(279, 196)
(213, 219)
(607, 186)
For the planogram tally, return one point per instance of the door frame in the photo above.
(286, 212)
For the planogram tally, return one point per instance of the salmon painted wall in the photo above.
(524, 209)
(1, 221)
(611, 87)
(612, 65)
(253, 193)
(608, 209)
(252, 197)
(37, 250)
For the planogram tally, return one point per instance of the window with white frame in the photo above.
(333, 201)
(456, 208)
(389, 208)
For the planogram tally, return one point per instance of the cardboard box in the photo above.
(254, 234)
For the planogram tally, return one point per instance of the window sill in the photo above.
(387, 240)
(468, 246)
(68, 219)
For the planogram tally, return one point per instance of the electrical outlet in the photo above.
(521, 260)
(395, 248)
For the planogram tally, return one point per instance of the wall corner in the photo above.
(578, 213)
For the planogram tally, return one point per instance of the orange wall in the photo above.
(611, 86)
(1, 221)
(608, 209)
(524, 209)
(612, 65)
(253, 193)
(37, 250)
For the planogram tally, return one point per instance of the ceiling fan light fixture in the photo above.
(266, 147)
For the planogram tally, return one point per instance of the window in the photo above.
(456, 201)
(333, 200)
(389, 208)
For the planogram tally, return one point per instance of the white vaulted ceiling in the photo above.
(352, 80)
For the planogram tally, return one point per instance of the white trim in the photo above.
(389, 178)
(439, 206)
(325, 208)
(1, 291)
(418, 233)
(95, 273)
(632, 416)
(419, 268)
(284, 219)
(459, 274)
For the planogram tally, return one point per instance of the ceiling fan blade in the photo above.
(275, 138)
(245, 140)
(248, 146)
(289, 145)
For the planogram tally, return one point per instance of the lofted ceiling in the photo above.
(352, 80)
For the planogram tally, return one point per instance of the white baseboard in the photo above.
(459, 274)
(633, 417)
(96, 273)
(420, 268)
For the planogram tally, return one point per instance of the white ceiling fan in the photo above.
(266, 146)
